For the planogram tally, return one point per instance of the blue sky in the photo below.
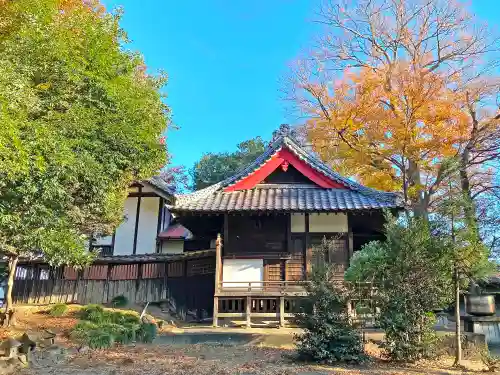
(225, 60)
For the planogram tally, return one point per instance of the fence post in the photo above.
(282, 311)
(249, 311)
(138, 281)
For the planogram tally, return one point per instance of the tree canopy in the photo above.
(397, 89)
(81, 119)
(215, 167)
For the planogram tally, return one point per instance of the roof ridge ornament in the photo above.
(283, 131)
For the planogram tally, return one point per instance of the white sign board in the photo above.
(237, 273)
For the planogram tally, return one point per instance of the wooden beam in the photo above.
(255, 315)
(289, 232)
(350, 240)
(226, 234)
(159, 224)
(113, 238)
(307, 249)
(136, 228)
(143, 194)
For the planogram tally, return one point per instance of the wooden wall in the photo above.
(190, 283)
(256, 234)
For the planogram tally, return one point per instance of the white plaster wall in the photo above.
(148, 222)
(328, 223)
(148, 189)
(236, 271)
(124, 238)
(298, 223)
(172, 247)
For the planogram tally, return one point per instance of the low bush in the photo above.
(119, 301)
(147, 332)
(100, 339)
(329, 335)
(93, 313)
(82, 329)
(59, 309)
(101, 328)
(118, 317)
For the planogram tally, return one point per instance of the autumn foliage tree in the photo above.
(80, 120)
(401, 94)
(386, 91)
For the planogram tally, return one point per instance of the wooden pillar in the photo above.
(216, 312)
(249, 311)
(226, 232)
(138, 283)
(137, 216)
(282, 312)
(218, 270)
(308, 249)
(289, 232)
(350, 240)
(289, 245)
(106, 297)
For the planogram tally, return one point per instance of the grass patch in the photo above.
(100, 328)
(59, 309)
(119, 301)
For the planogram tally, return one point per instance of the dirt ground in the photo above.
(268, 352)
(217, 360)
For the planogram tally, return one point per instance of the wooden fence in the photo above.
(187, 283)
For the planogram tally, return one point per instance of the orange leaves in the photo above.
(375, 119)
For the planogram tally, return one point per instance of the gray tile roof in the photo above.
(157, 183)
(286, 196)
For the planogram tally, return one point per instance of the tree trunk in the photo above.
(469, 207)
(420, 201)
(458, 334)
(9, 313)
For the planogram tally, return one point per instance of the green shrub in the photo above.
(118, 317)
(412, 272)
(81, 330)
(147, 332)
(94, 313)
(119, 301)
(100, 339)
(100, 328)
(328, 336)
(59, 309)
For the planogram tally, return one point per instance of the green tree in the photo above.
(80, 120)
(329, 335)
(468, 254)
(413, 273)
(215, 167)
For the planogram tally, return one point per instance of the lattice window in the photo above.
(153, 270)
(201, 267)
(96, 272)
(124, 272)
(175, 269)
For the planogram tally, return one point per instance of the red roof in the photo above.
(176, 231)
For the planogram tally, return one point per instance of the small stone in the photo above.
(11, 347)
(83, 349)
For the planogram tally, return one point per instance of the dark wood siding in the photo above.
(256, 235)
